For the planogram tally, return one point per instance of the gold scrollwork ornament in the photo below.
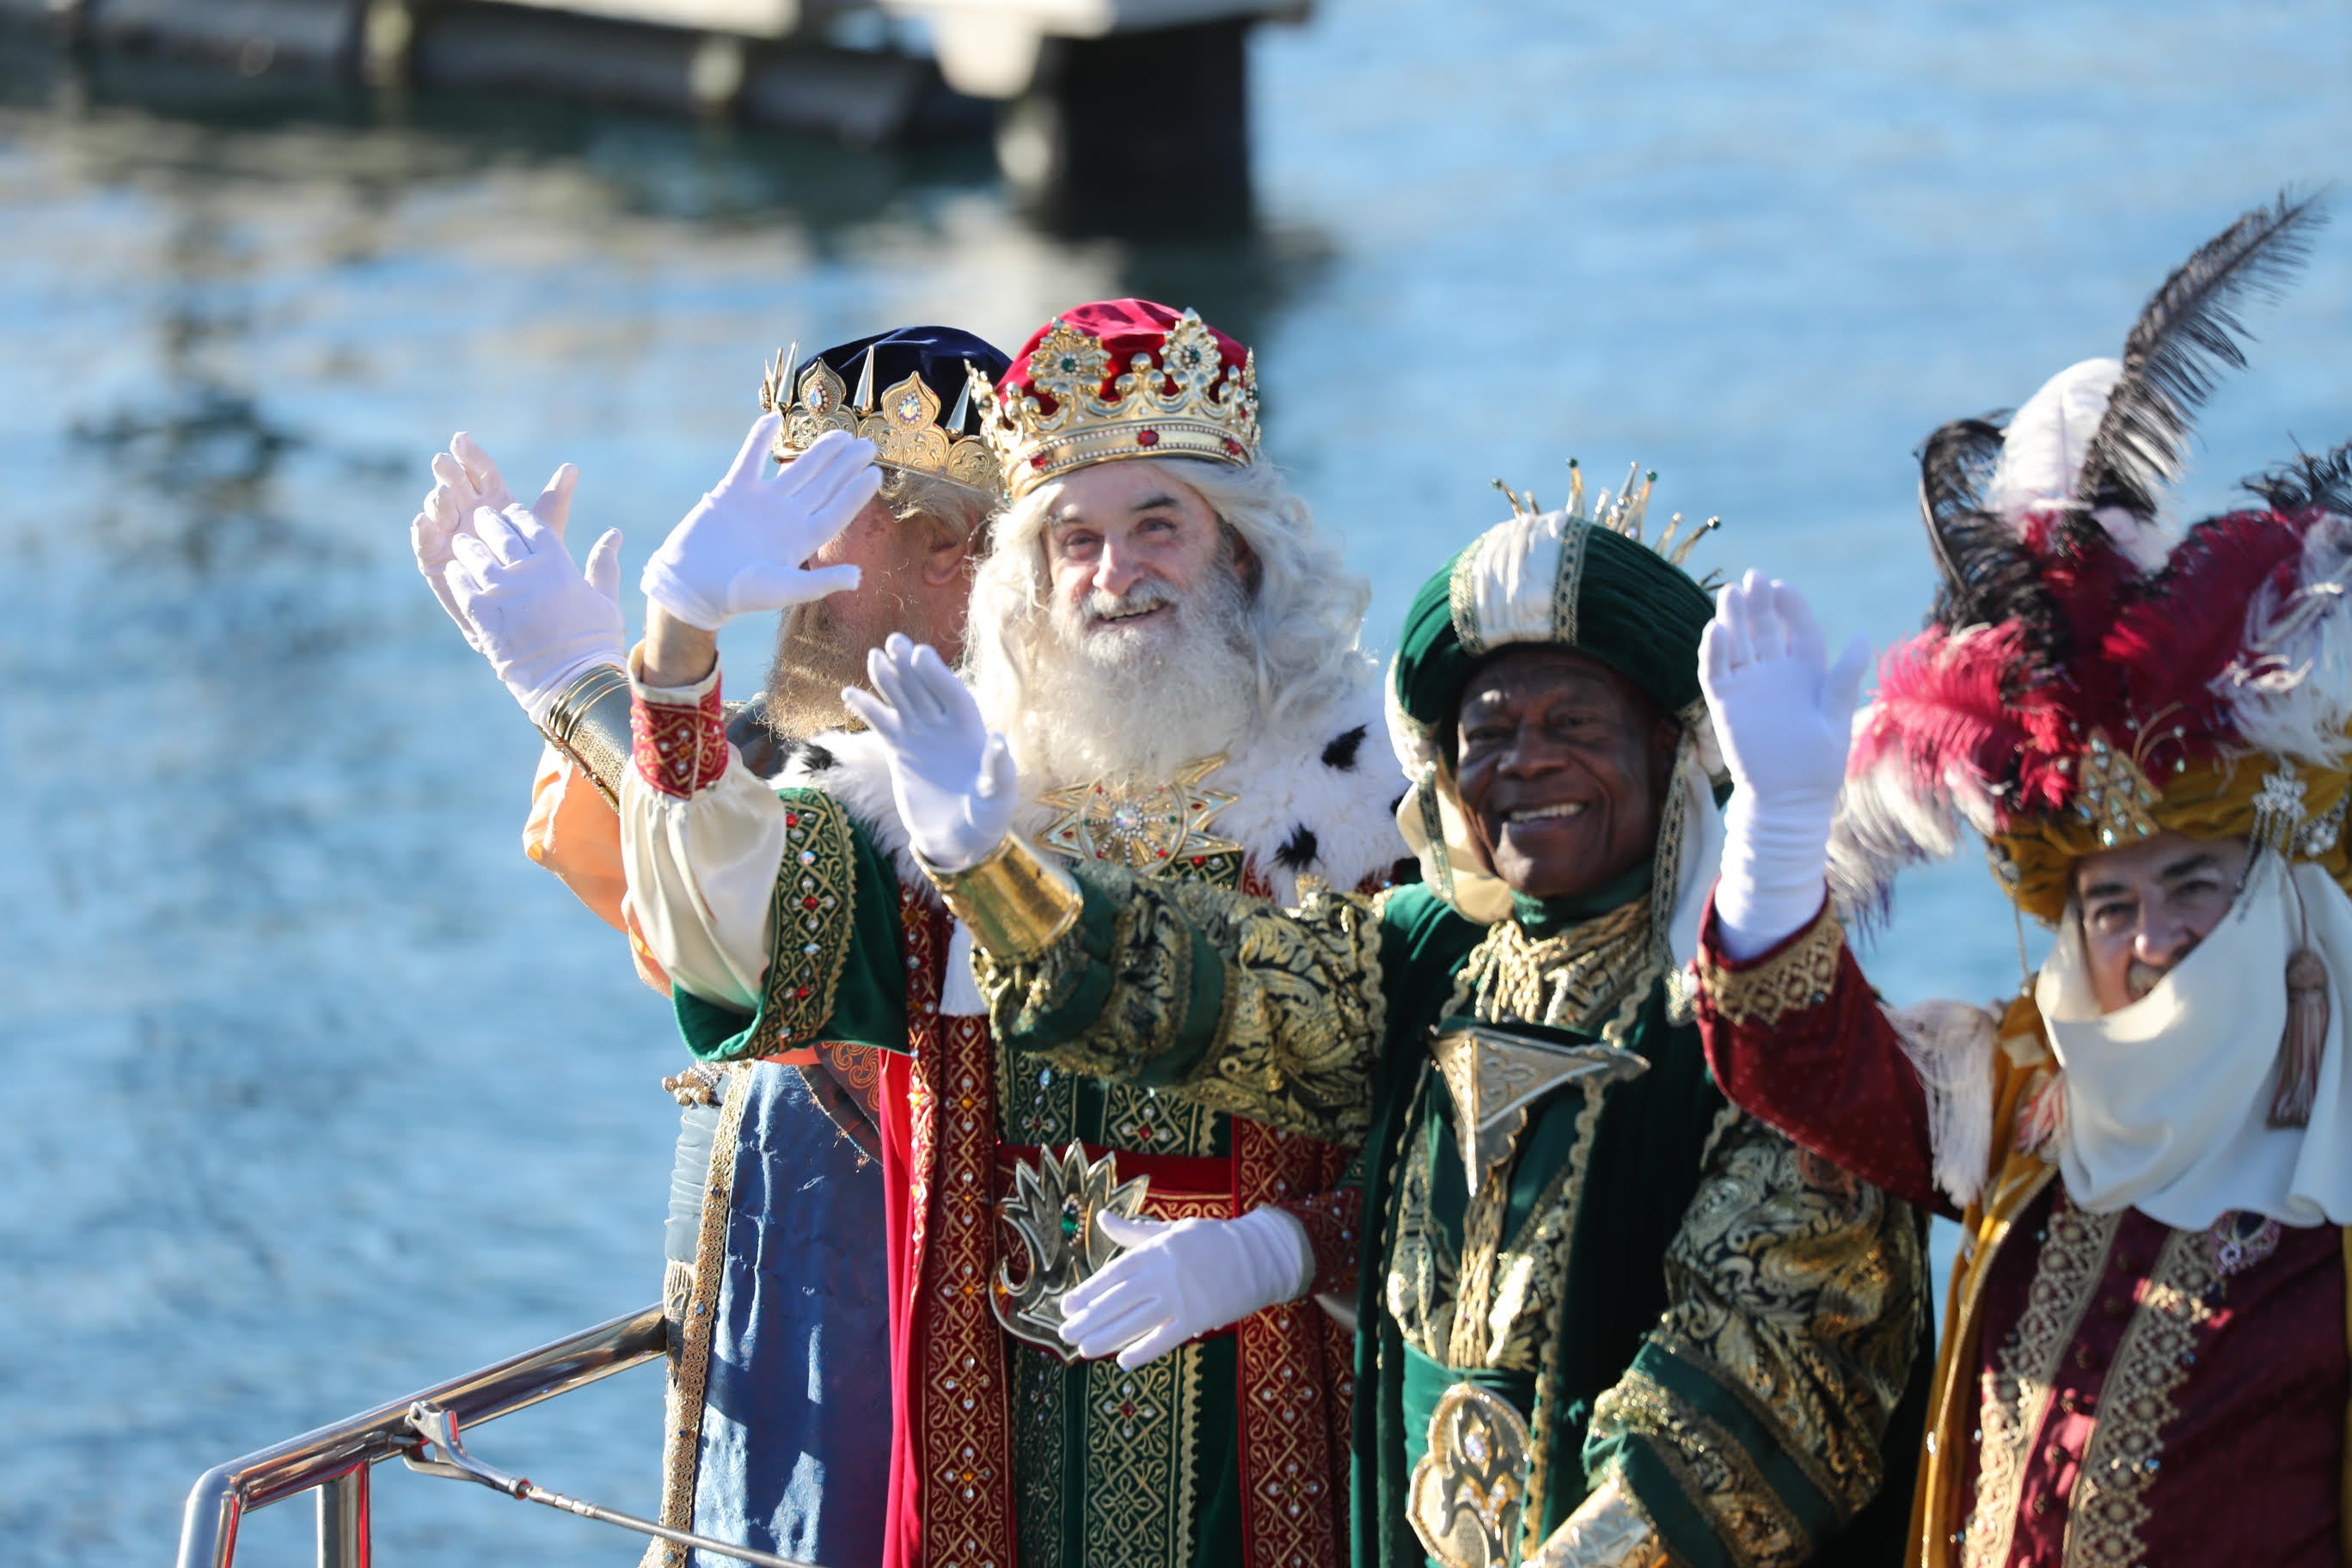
(1053, 1212)
(1469, 1491)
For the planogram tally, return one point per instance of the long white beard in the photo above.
(1139, 702)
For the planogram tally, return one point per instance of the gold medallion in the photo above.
(1469, 1491)
(1053, 1211)
(1153, 829)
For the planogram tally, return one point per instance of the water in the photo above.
(317, 1091)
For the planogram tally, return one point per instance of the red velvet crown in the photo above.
(1120, 378)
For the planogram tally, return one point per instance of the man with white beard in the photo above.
(1169, 647)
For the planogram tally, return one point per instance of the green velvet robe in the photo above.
(1729, 1329)
(1099, 1463)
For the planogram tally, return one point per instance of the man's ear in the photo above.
(947, 554)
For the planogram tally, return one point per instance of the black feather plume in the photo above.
(2187, 335)
(1986, 575)
(2307, 483)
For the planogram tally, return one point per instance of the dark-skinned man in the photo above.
(1603, 1317)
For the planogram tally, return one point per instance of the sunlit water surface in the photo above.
(317, 1091)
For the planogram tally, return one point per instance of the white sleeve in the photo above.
(702, 866)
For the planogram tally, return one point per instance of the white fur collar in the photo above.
(1325, 807)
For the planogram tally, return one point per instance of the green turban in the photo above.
(1556, 579)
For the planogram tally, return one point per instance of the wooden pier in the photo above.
(1053, 83)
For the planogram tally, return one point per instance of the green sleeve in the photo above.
(1223, 999)
(837, 968)
(1750, 1422)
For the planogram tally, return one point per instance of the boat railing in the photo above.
(335, 1459)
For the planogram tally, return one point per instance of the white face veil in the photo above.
(2167, 1101)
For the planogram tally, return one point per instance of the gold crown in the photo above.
(1623, 513)
(1212, 412)
(903, 423)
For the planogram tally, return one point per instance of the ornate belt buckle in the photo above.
(1052, 1211)
(1469, 1491)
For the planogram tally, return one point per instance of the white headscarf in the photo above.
(2166, 1101)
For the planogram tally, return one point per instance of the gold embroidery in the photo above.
(698, 1318)
(2109, 1506)
(1796, 978)
(813, 914)
(1593, 977)
(1797, 1289)
(2065, 1278)
(1749, 1519)
(1303, 1012)
(1570, 584)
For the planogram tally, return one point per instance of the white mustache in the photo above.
(1101, 607)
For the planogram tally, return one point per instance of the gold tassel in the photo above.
(2306, 1038)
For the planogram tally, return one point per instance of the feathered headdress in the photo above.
(2088, 677)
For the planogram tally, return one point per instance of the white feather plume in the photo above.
(2042, 453)
(2291, 695)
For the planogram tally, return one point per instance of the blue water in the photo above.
(317, 1091)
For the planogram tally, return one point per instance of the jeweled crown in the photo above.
(1067, 403)
(903, 423)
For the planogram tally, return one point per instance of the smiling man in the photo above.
(1604, 1318)
(1169, 646)
(2150, 1148)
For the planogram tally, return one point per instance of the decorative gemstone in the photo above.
(808, 904)
(808, 856)
(1474, 1443)
(910, 409)
(1146, 437)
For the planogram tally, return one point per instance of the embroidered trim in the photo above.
(962, 1409)
(698, 1319)
(1461, 602)
(1797, 978)
(1749, 1519)
(813, 914)
(2109, 1506)
(678, 750)
(2067, 1273)
(1570, 584)
(1291, 1404)
(1593, 977)
(1330, 1220)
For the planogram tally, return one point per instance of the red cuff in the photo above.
(679, 750)
(1332, 1220)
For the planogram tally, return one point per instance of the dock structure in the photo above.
(1056, 85)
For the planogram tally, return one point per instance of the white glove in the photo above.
(1785, 723)
(1182, 1279)
(954, 781)
(540, 621)
(740, 550)
(466, 480)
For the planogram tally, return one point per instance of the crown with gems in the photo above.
(903, 423)
(1185, 391)
(1623, 514)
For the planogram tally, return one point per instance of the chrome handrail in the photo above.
(335, 1458)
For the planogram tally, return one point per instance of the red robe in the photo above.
(2111, 1391)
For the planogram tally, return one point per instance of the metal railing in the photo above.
(335, 1460)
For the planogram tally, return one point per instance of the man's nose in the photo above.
(1527, 755)
(1118, 571)
(2163, 943)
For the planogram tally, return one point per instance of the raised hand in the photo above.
(1182, 1279)
(1784, 716)
(465, 482)
(1785, 719)
(742, 549)
(954, 782)
(539, 620)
